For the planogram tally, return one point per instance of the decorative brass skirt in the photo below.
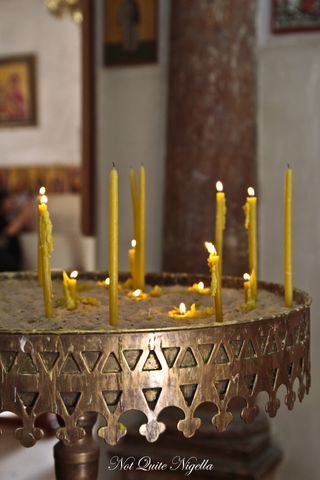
(70, 374)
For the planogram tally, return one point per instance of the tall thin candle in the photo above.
(142, 229)
(42, 191)
(220, 220)
(46, 247)
(288, 239)
(251, 225)
(134, 196)
(135, 209)
(113, 247)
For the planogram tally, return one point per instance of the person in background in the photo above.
(15, 216)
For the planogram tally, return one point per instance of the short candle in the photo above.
(138, 294)
(214, 265)
(132, 261)
(104, 283)
(247, 285)
(70, 289)
(199, 288)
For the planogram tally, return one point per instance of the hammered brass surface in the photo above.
(70, 374)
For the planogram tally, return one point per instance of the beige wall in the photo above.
(71, 249)
(131, 130)
(27, 27)
(289, 131)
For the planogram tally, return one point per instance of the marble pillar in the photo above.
(211, 129)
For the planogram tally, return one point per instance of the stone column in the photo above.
(211, 129)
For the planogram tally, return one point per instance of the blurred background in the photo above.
(197, 91)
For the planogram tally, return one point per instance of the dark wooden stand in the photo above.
(81, 460)
(243, 452)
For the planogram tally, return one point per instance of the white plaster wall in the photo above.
(27, 27)
(131, 130)
(289, 127)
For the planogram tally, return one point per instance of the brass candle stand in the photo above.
(77, 375)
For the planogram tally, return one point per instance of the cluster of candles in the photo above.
(136, 253)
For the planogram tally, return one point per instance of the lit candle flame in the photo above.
(246, 277)
(133, 243)
(201, 285)
(42, 190)
(219, 186)
(107, 281)
(251, 192)
(137, 292)
(182, 308)
(74, 274)
(44, 199)
(210, 248)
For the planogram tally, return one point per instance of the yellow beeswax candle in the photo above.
(46, 247)
(199, 288)
(73, 284)
(134, 196)
(138, 295)
(220, 219)
(42, 191)
(288, 238)
(132, 261)
(105, 283)
(70, 289)
(156, 291)
(113, 248)
(182, 312)
(141, 230)
(135, 210)
(214, 265)
(250, 209)
(248, 285)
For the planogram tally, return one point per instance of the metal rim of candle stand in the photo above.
(111, 373)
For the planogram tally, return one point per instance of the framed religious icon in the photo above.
(17, 91)
(130, 32)
(295, 15)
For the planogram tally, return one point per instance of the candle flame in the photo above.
(133, 243)
(201, 285)
(74, 274)
(42, 190)
(219, 186)
(44, 199)
(137, 292)
(107, 281)
(210, 247)
(251, 192)
(246, 277)
(182, 308)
